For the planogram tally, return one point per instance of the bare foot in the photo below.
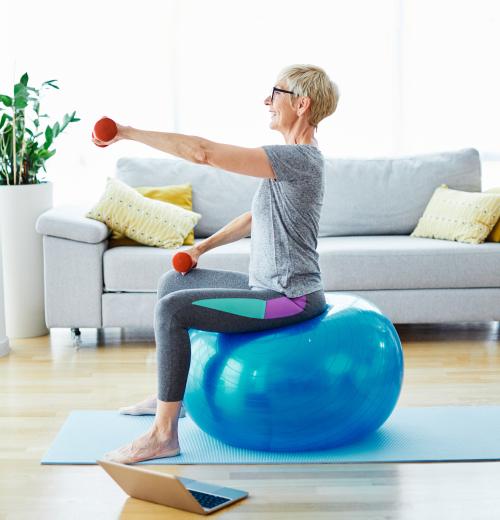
(151, 445)
(146, 407)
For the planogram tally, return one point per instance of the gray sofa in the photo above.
(371, 206)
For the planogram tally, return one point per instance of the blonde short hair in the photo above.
(313, 82)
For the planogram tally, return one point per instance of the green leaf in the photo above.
(56, 129)
(73, 118)
(20, 96)
(46, 154)
(20, 90)
(50, 83)
(48, 137)
(5, 117)
(20, 102)
(24, 79)
(6, 100)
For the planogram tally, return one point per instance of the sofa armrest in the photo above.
(74, 282)
(73, 247)
(70, 222)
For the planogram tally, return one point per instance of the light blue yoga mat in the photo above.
(447, 433)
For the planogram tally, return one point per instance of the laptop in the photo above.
(169, 490)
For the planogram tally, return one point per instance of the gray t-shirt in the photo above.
(285, 222)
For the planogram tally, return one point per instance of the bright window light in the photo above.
(414, 76)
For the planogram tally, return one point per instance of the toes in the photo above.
(116, 456)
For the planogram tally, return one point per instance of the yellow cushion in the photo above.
(494, 236)
(180, 195)
(459, 215)
(147, 221)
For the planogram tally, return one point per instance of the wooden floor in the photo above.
(45, 378)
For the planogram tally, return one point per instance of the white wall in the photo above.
(415, 76)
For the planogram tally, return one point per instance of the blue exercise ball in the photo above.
(315, 385)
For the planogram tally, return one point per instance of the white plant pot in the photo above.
(20, 206)
(4, 340)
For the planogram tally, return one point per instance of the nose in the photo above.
(267, 101)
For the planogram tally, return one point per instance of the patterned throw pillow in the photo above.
(494, 236)
(459, 215)
(178, 194)
(144, 220)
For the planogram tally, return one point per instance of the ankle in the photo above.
(166, 429)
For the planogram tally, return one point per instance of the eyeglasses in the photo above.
(276, 89)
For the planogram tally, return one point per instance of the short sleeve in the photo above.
(292, 162)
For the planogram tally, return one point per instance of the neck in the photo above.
(300, 133)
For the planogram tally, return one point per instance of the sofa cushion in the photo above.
(138, 269)
(381, 196)
(403, 262)
(347, 263)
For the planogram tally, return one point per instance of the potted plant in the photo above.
(25, 193)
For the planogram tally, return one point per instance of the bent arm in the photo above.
(238, 228)
(237, 159)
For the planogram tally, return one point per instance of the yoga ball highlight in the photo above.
(315, 385)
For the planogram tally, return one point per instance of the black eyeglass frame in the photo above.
(276, 89)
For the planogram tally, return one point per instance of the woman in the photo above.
(284, 280)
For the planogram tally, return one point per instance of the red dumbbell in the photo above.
(182, 262)
(105, 130)
(99, 145)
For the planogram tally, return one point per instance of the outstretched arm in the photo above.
(237, 159)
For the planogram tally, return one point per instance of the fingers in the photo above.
(97, 142)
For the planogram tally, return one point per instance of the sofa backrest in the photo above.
(383, 196)
(387, 196)
(219, 196)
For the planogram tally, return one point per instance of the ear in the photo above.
(304, 104)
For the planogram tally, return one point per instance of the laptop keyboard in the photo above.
(208, 501)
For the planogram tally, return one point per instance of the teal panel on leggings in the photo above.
(249, 307)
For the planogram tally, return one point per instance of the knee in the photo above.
(168, 283)
(166, 308)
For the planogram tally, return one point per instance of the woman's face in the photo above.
(282, 113)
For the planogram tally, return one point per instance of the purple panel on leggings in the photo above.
(283, 306)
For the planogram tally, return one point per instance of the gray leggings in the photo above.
(217, 301)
